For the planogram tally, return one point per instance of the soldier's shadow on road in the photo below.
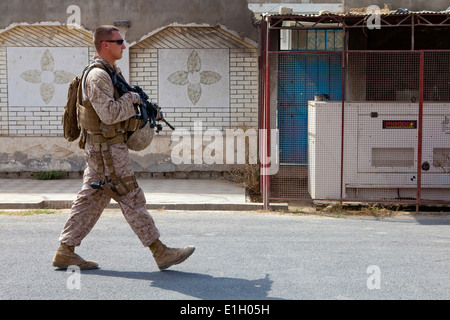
(198, 285)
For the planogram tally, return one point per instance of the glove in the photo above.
(135, 97)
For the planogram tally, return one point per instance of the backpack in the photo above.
(71, 129)
(69, 119)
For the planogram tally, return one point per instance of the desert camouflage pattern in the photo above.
(90, 203)
(141, 138)
(99, 90)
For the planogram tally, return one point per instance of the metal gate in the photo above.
(303, 77)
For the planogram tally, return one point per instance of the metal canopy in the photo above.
(328, 20)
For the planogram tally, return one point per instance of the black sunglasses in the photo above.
(119, 42)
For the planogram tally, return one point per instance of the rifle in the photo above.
(149, 111)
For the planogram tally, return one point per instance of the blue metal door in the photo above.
(301, 76)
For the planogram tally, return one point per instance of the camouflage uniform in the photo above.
(90, 202)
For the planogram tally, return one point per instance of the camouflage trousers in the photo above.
(90, 203)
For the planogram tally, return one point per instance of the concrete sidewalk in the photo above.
(170, 194)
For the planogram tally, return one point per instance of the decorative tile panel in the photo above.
(40, 76)
(194, 77)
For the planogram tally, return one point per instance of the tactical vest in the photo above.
(101, 136)
(93, 129)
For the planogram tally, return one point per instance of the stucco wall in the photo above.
(36, 62)
(145, 16)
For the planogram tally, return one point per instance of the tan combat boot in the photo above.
(66, 257)
(166, 257)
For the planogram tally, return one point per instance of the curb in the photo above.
(67, 204)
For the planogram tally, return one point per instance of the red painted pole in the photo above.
(266, 119)
(419, 133)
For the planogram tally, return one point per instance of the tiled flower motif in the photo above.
(47, 76)
(194, 77)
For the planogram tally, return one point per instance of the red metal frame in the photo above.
(358, 21)
(420, 132)
(266, 120)
(411, 20)
(342, 117)
(264, 115)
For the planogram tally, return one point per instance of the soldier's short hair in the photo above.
(103, 33)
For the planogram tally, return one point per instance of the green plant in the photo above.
(49, 175)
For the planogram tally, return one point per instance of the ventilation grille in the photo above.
(393, 157)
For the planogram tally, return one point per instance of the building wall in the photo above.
(33, 116)
(37, 62)
(230, 103)
(144, 16)
(241, 73)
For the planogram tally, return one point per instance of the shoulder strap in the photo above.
(84, 75)
(88, 68)
(112, 74)
(118, 80)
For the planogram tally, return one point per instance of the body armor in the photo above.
(101, 136)
(91, 124)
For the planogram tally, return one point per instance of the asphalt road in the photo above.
(239, 256)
